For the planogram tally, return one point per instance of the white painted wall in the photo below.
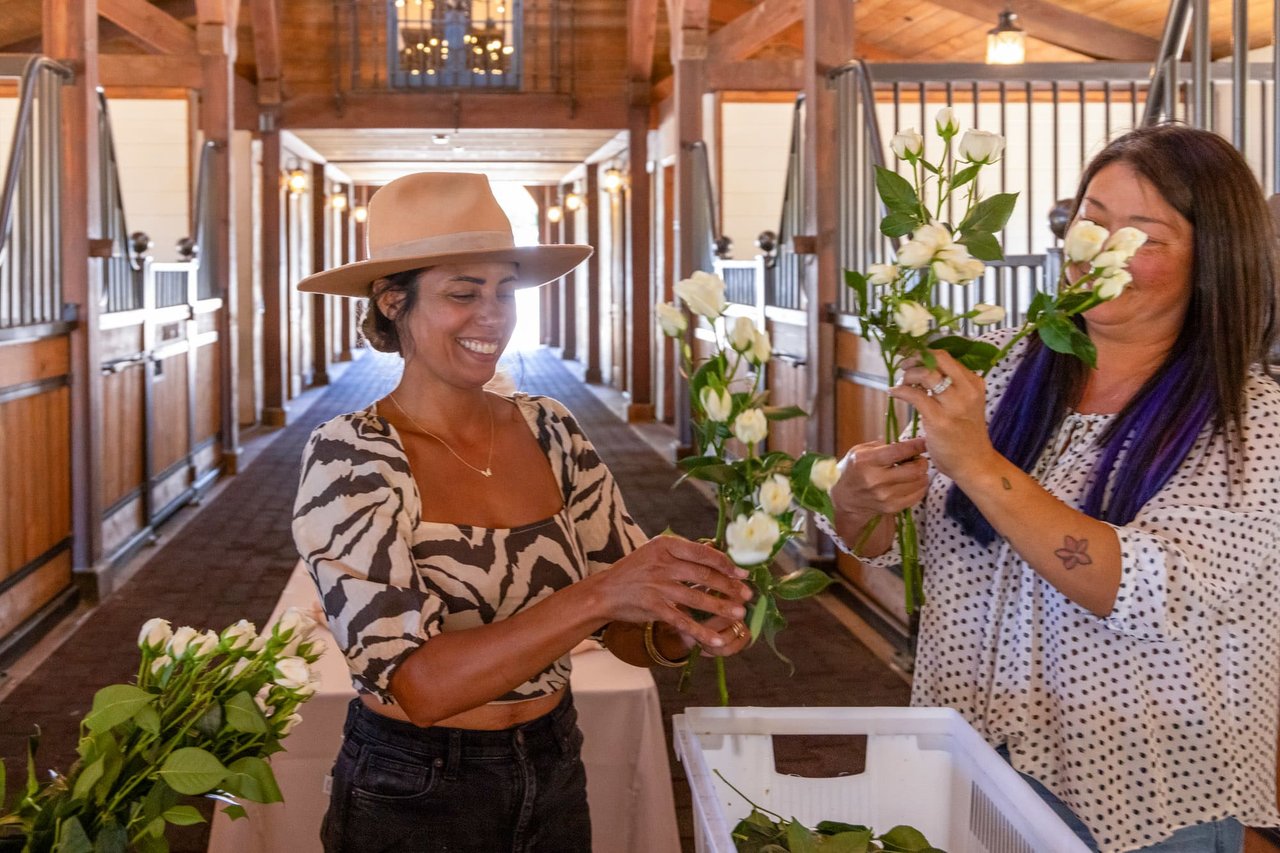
(152, 145)
(756, 141)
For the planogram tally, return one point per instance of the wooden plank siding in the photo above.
(35, 462)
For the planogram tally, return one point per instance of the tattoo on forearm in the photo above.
(1008, 487)
(1075, 552)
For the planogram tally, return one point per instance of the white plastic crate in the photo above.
(925, 767)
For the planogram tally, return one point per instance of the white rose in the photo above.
(954, 264)
(239, 667)
(923, 245)
(980, 146)
(703, 293)
(761, 347)
(882, 274)
(292, 673)
(154, 634)
(1112, 284)
(1127, 240)
(289, 621)
(240, 635)
(751, 540)
(671, 319)
(158, 665)
(946, 122)
(205, 645)
(774, 495)
(1084, 241)
(987, 314)
(751, 426)
(717, 404)
(1110, 260)
(288, 724)
(741, 334)
(825, 473)
(181, 640)
(907, 143)
(261, 697)
(313, 648)
(258, 644)
(912, 318)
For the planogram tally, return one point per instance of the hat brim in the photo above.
(537, 265)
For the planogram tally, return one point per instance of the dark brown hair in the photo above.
(384, 333)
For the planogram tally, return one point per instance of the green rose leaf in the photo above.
(982, 245)
(835, 827)
(858, 283)
(712, 369)
(899, 223)
(148, 719)
(1061, 335)
(965, 175)
(210, 722)
(72, 838)
(243, 715)
(800, 839)
(784, 413)
(978, 356)
(802, 584)
(990, 214)
(849, 842)
(183, 816)
(905, 839)
(112, 838)
(1039, 303)
(114, 704)
(235, 812)
(1071, 303)
(192, 771)
(158, 800)
(252, 779)
(896, 191)
(88, 777)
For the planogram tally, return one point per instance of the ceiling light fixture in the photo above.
(338, 201)
(555, 213)
(613, 180)
(295, 180)
(359, 213)
(573, 202)
(1006, 42)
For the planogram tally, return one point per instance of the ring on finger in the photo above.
(739, 630)
(940, 387)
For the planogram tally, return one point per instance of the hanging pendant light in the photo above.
(1006, 42)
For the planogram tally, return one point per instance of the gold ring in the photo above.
(739, 630)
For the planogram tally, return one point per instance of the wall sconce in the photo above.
(296, 180)
(359, 213)
(573, 202)
(555, 213)
(338, 201)
(1006, 42)
(613, 180)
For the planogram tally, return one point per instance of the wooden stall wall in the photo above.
(35, 463)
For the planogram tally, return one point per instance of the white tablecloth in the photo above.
(628, 777)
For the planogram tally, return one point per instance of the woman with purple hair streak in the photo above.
(1100, 543)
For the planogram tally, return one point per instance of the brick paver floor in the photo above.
(232, 560)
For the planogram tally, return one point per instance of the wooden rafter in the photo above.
(135, 70)
(756, 75)
(265, 15)
(748, 33)
(1055, 25)
(642, 34)
(156, 30)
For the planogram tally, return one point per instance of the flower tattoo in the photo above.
(1074, 553)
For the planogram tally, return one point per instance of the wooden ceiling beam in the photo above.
(265, 15)
(471, 110)
(1055, 25)
(756, 75)
(143, 70)
(642, 35)
(748, 33)
(156, 30)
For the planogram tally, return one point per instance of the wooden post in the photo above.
(346, 307)
(569, 292)
(640, 272)
(321, 303)
(828, 37)
(690, 82)
(550, 293)
(70, 35)
(594, 284)
(275, 301)
(216, 42)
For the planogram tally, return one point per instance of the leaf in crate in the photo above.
(116, 703)
(896, 192)
(243, 714)
(800, 839)
(802, 584)
(905, 839)
(252, 779)
(989, 215)
(192, 771)
(183, 816)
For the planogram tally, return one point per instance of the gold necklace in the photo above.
(487, 471)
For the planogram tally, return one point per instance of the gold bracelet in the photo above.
(656, 656)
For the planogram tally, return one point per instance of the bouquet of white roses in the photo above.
(896, 302)
(206, 711)
(758, 495)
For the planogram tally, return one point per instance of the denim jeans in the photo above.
(399, 788)
(1221, 836)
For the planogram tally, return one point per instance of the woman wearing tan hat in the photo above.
(464, 542)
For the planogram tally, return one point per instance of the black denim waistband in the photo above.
(557, 725)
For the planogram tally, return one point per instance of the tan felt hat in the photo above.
(434, 218)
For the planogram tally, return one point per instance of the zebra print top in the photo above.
(390, 581)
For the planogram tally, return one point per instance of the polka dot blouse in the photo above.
(1163, 713)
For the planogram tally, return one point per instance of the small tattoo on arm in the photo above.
(1008, 487)
(1075, 552)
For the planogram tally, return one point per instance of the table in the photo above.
(624, 749)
